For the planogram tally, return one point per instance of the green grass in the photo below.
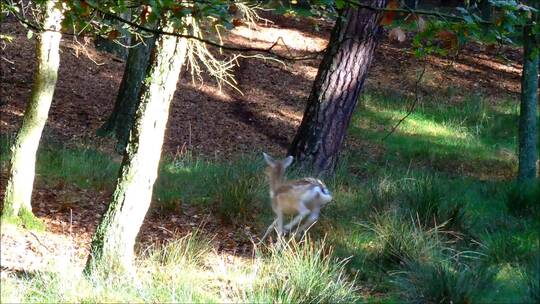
(430, 214)
(438, 133)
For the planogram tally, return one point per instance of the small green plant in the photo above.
(442, 281)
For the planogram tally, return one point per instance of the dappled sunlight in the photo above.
(210, 90)
(292, 39)
(290, 119)
(418, 124)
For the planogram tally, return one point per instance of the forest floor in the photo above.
(215, 124)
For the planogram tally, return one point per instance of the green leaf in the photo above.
(29, 34)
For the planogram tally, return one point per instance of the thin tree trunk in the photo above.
(336, 89)
(121, 119)
(113, 242)
(528, 114)
(18, 193)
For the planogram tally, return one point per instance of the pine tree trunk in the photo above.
(113, 243)
(121, 119)
(336, 89)
(18, 193)
(528, 114)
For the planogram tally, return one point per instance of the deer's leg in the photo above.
(302, 213)
(279, 223)
(270, 228)
(313, 217)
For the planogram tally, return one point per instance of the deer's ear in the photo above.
(269, 160)
(288, 161)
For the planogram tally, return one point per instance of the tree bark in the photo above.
(336, 89)
(411, 4)
(528, 114)
(121, 119)
(110, 46)
(18, 193)
(113, 243)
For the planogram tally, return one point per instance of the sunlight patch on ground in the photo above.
(291, 115)
(210, 90)
(293, 39)
(305, 71)
(288, 118)
(417, 124)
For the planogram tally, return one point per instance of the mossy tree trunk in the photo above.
(528, 113)
(113, 243)
(17, 199)
(336, 89)
(121, 119)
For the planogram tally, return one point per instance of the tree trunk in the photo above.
(528, 114)
(411, 4)
(336, 89)
(110, 46)
(121, 119)
(18, 193)
(486, 10)
(113, 242)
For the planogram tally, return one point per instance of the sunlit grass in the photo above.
(187, 270)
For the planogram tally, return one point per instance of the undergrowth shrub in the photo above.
(444, 281)
(302, 272)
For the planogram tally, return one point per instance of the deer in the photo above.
(303, 197)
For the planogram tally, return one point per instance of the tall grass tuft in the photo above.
(504, 247)
(398, 239)
(442, 282)
(187, 250)
(238, 196)
(302, 272)
(426, 199)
